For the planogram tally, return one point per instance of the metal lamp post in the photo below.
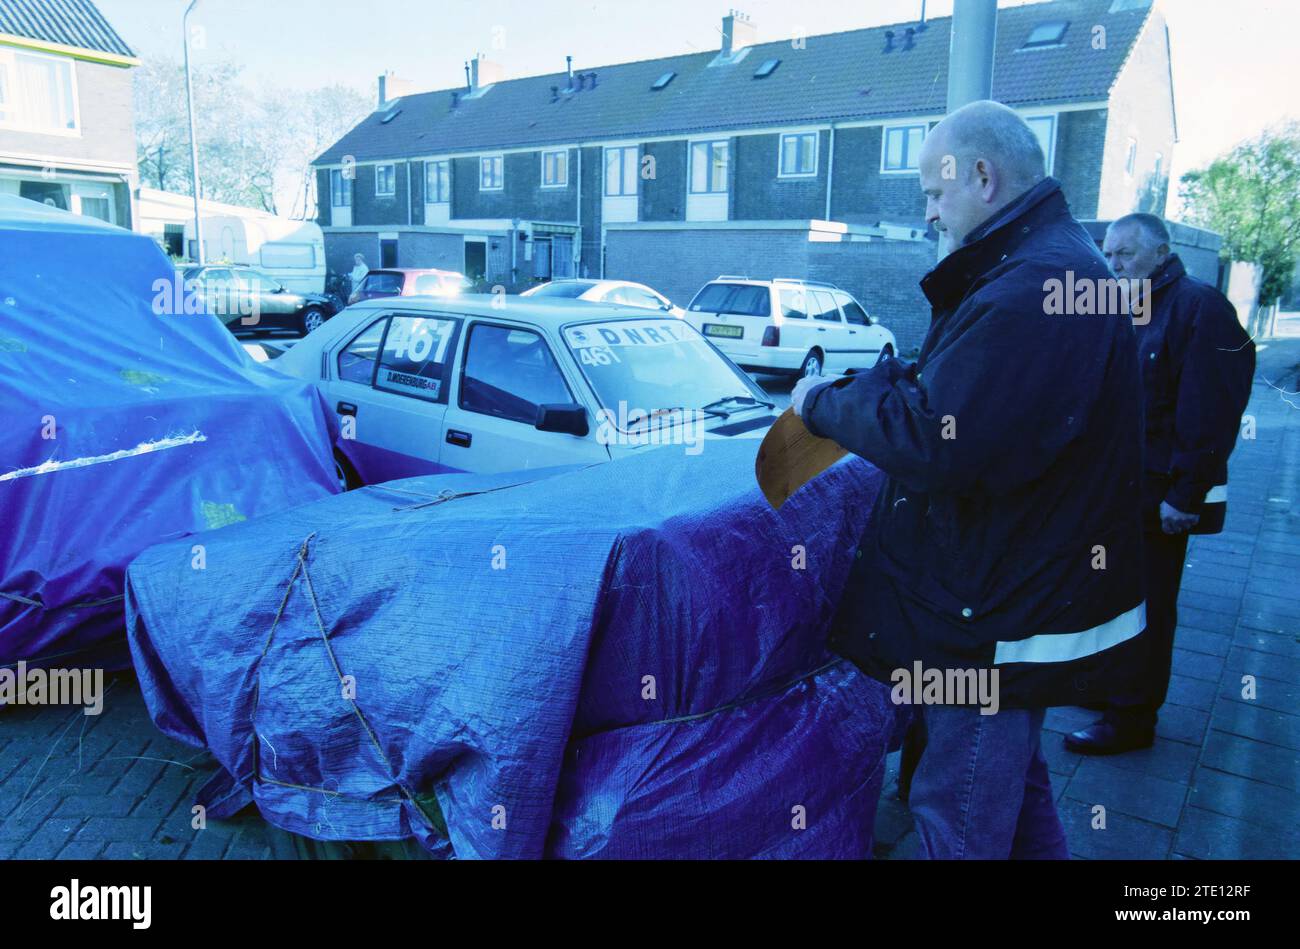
(194, 142)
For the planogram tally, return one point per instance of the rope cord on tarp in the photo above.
(447, 494)
(28, 601)
(300, 567)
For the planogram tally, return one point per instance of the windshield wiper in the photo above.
(743, 399)
(644, 415)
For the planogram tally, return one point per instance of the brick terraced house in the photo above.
(67, 121)
(788, 158)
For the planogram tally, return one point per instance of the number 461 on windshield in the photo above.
(598, 356)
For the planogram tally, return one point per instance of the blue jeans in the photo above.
(981, 790)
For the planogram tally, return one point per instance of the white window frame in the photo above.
(564, 156)
(343, 189)
(903, 128)
(710, 144)
(500, 178)
(429, 165)
(9, 59)
(392, 167)
(623, 151)
(1050, 150)
(780, 154)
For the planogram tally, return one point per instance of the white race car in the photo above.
(494, 383)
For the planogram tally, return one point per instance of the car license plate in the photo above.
(717, 329)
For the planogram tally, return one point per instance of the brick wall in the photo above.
(1080, 146)
(862, 195)
(1141, 108)
(761, 195)
(370, 209)
(885, 278)
(340, 248)
(663, 197)
(522, 195)
(592, 188)
(107, 115)
(444, 251)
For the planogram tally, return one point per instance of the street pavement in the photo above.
(1223, 779)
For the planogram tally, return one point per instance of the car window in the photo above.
(382, 283)
(217, 278)
(508, 373)
(852, 311)
(357, 362)
(569, 289)
(794, 304)
(741, 299)
(635, 296)
(417, 355)
(824, 307)
(642, 367)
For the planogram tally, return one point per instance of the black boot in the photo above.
(1110, 735)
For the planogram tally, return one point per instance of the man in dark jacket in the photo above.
(1006, 542)
(1197, 364)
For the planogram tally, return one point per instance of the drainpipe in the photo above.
(410, 215)
(194, 143)
(578, 212)
(830, 171)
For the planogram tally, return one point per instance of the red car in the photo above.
(407, 282)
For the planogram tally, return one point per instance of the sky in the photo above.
(1235, 69)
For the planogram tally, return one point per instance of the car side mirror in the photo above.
(568, 418)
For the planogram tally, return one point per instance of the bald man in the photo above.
(1197, 364)
(1004, 549)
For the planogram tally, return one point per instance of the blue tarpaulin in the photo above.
(620, 660)
(127, 421)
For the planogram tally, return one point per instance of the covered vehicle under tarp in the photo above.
(621, 660)
(127, 421)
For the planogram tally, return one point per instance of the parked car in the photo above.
(406, 282)
(249, 300)
(606, 291)
(466, 384)
(788, 326)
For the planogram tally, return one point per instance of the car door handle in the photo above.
(462, 439)
(821, 329)
(347, 408)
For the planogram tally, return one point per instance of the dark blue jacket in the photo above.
(1009, 532)
(1197, 366)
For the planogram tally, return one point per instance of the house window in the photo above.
(1047, 34)
(555, 169)
(385, 181)
(340, 190)
(709, 162)
(1130, 160)
(1044, 129)
(798, 155)
(437, 182)
(490, 173)
(38, 93)
(902, 148)
(620, 171)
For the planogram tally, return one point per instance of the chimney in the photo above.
(555, 93)
(889, 41)
(592, 77)
(392, 87)
(911, 38)
(738, 32)
(568, 71)
(455, 98)
(484, 72)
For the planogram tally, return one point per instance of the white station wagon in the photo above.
(490, 384)
(789, 326)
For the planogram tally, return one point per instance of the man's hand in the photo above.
(801, 389)
(1174, 521)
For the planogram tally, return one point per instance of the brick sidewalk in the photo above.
(1223, 778)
